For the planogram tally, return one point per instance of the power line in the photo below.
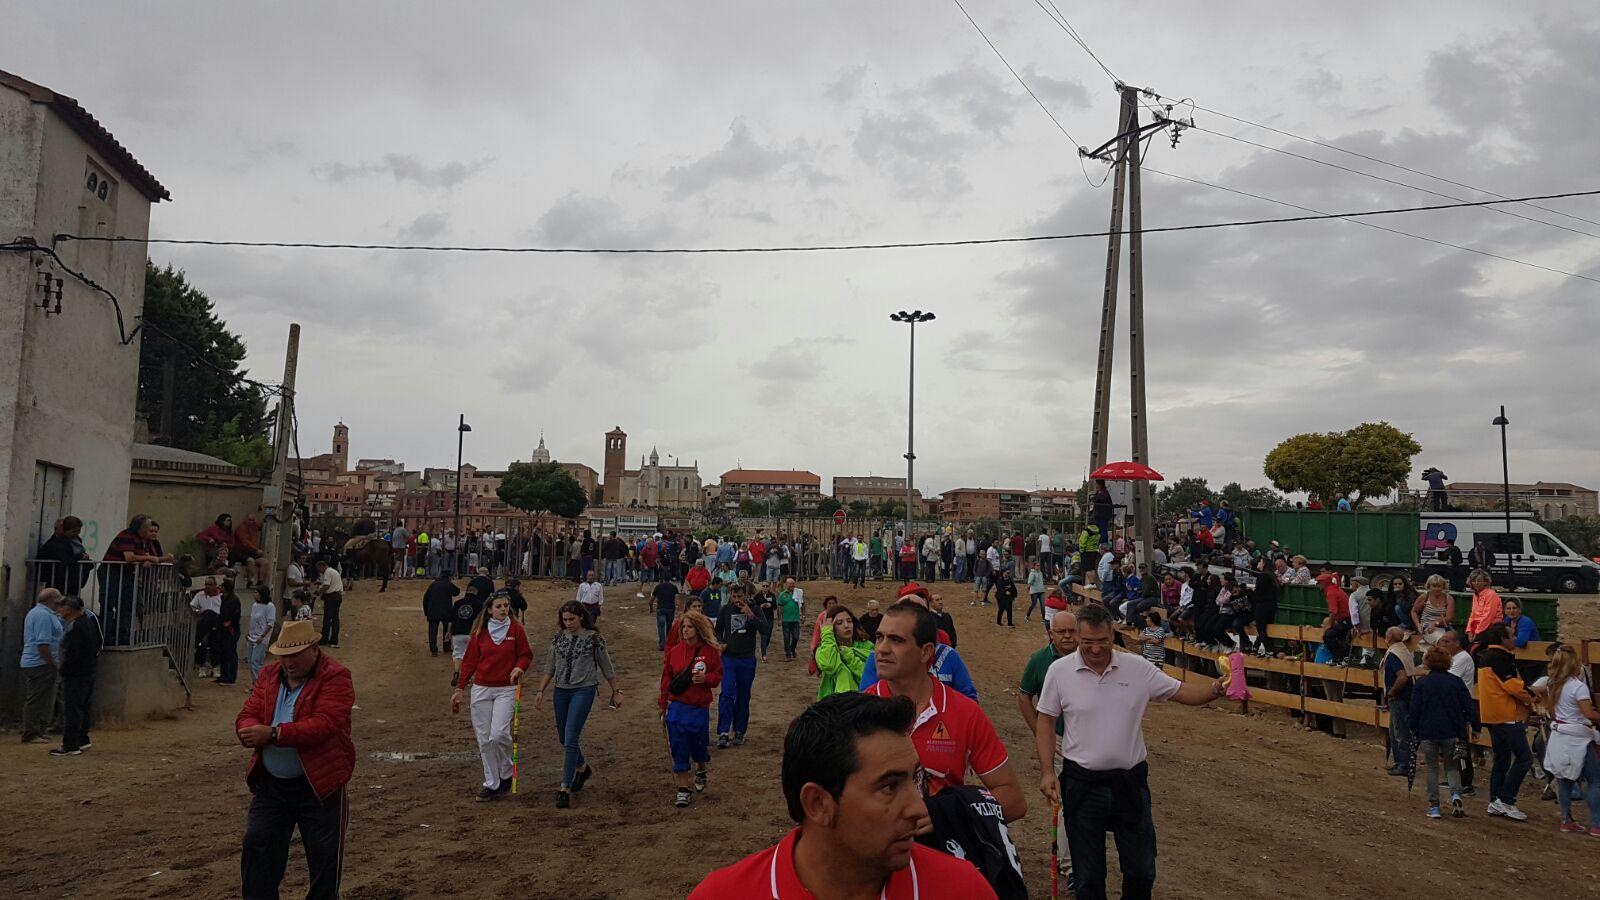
(1369, 158)
(1357, 221)
(124, 336)
(1014, 74)
(1323, 162)
(1313, 215)
(1060, 18)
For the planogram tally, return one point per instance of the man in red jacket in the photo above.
(297, 720)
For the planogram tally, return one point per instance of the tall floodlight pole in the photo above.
(911, 318)
(461, 439)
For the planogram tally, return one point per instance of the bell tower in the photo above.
(616, 457)
(341, 446)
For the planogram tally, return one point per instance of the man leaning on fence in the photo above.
(297, 720)
(41, 654)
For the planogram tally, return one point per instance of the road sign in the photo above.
(838, 517)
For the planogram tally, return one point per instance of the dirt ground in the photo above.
(1245, 806)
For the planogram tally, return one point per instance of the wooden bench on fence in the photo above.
(1188, 655)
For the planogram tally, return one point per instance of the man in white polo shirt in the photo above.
(1101, 695)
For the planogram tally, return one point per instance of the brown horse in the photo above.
(373, 556)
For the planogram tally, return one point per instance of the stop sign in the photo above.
(838, 517)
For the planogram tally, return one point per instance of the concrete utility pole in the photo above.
(280, 515)
(1123, 152)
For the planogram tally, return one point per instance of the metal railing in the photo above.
(139, 605)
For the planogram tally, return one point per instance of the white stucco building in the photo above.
(68, 381)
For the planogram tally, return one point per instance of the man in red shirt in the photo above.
(951, 731)
(698, 577)
(850, 781)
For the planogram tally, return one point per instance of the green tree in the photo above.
(1180, 496)
(540, 488)
(784, 505)
(1259, 498)
(859, 508)
(890, 509)
(828, 506)
(246, 453)
(212, 401)
(1581, 533)
(1371, 459)
(750, 506)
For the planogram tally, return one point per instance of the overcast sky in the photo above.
(740, 123)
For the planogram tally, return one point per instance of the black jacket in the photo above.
(738, 631)
(80, 647)
(483, 584)
(67, 554)
(968, 824)
(438, 598)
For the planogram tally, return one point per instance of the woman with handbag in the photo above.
(691, 669)
(497, 654)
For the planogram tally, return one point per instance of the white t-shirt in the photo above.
(591, 593)
(332, 582)
(1462, 666)
(1104, 713)
(204, 602)
(262, 617)
(1044, 543)
(1566, 705)
(295, 574)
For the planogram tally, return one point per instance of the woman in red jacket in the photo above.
(497, 655)
(675, 633)
(686, 714)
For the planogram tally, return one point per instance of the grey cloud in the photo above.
(579, 220)
(1068, 92)
(1320, 84)
(424, 229)
(743, 159)
(988, 102)
(405, 167)
(845, 88)
(795, 362)
(919, 153)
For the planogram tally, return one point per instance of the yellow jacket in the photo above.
(1502, 698)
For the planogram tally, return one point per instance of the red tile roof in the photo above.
(771, 476)
(90, 129)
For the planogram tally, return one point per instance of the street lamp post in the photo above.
(1505, 473)
(911, 318)
(461, 439)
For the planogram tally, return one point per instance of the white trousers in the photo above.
(491, 720)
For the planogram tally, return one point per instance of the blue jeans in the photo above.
(1512, 760)
(733, 707)
(663, 622)
(1567, 790)
(572, 710)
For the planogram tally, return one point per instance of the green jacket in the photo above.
(1089, 540)
(788, 610)
(841, 668)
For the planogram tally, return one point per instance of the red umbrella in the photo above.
(1126, 471)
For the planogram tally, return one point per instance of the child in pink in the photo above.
(1238, 687)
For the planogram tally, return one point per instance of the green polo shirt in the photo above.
(1033, 676)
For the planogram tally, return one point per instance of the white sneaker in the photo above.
(1510, 811)
(1495, 809)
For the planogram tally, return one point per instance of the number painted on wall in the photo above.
(91, 537)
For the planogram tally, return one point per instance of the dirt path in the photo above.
(1246, 807)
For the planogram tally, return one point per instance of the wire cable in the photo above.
(1312, 216)
(124, 336)
(1014, 74)
(1060, 18)
(1323, 162)
(1357, 221)
(1369, 158)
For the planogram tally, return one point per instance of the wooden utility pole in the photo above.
(279, 515)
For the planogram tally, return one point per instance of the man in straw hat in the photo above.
(297, 720)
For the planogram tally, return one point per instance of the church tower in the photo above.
(541, 455)
(616, 463)
(341, 446)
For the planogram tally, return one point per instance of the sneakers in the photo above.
(86, 746)
(563, 800)
(36, 739)
(700, 780)
(61, 751)
(1456, 808)
(1595, 831)
(1469, 791)
(1510, 811)
(582, 777)
(486, 794)
(722, 742)
(683, 798)
(1568, 827)
(738, 739)
(1433, 812)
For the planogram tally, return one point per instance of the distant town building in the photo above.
(875, 489)
(387, 466)
(652, 485)
(1551, 500)
(1052, 504)
(739, 485)
(977, 504)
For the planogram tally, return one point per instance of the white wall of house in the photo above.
(67, 385)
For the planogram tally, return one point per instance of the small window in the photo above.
(1544, 546)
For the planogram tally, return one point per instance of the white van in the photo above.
(1527, 557)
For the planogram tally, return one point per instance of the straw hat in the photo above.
(294, 637)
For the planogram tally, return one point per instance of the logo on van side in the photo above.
(1438, 535)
